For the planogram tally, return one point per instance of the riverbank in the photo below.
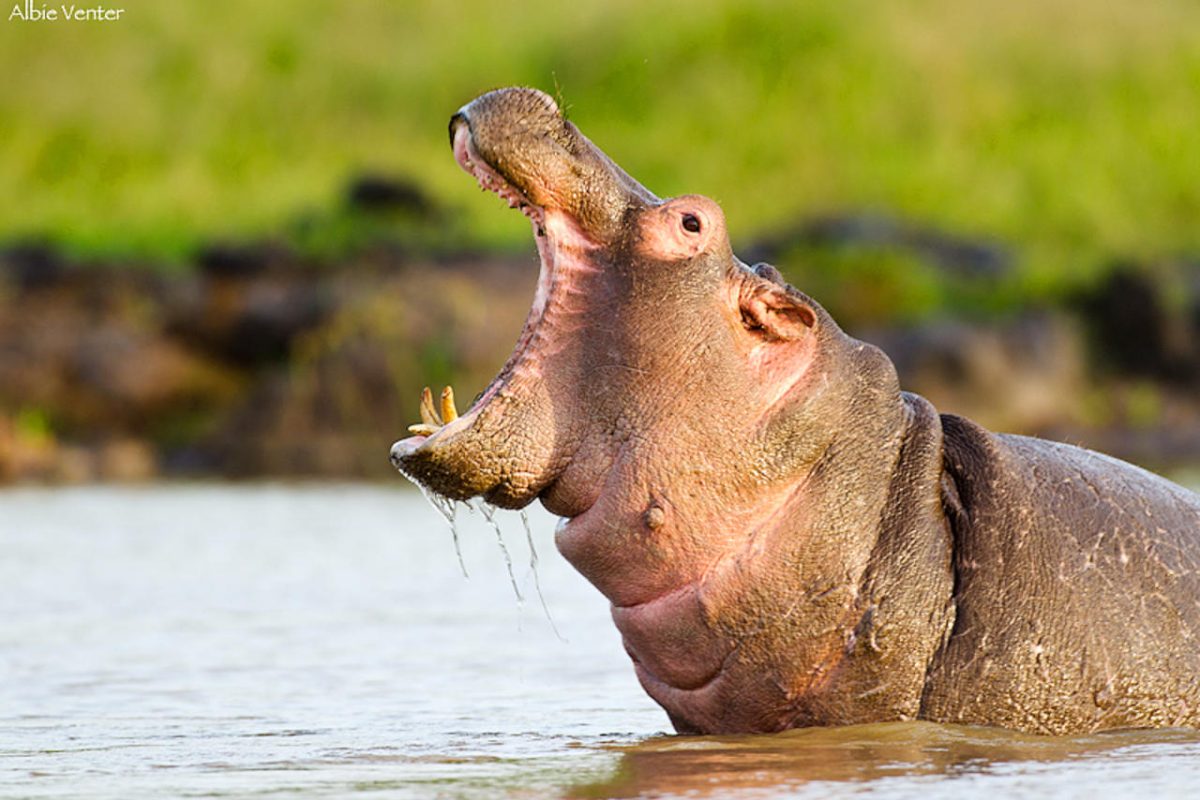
(260, 361)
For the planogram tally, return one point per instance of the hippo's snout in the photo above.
(517, 143)
(533, 109)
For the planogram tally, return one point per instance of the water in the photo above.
(322, 642)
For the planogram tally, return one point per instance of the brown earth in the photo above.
(260, 363)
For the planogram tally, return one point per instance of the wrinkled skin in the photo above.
(786, 538)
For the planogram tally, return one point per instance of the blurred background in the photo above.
(233, 240)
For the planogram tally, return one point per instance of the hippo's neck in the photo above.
(855, 587)
(903, 607)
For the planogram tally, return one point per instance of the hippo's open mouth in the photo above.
(491, 179)
(511, 445)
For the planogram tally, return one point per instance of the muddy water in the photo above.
(322, 642)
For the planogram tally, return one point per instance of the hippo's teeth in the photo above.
(429, 415)
(449, 412)
(431, 421)
(489, 181)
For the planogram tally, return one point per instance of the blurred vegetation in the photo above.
(1004, 194)
(1069, 127)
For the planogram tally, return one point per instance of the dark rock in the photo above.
(375, 193)
(270, 319)
(228, 260)
(249, 321)
(33, 265)
(189, 461)
(1133, 330)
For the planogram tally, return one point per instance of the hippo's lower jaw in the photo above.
(506, 447)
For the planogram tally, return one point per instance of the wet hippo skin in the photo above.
(786, 537)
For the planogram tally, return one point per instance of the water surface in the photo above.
(219, 641)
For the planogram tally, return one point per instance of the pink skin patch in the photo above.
(668, 638)
(689, 662)
(781, 368)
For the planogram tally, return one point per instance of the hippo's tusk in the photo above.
(431, 421)
(449, 412)
(429, 414)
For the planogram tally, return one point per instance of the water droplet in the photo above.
(489, 513)
(447, 508)
(537, 584)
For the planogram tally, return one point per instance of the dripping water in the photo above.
(448, 509)
(489, 513)
(537, 583)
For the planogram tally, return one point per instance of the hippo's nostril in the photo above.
(459, 118)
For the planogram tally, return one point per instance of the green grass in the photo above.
(1068, 128)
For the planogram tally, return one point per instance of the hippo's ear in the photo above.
(772, 309)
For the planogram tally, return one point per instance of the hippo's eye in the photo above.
(691, 223)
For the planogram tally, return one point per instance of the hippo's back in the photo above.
(1077, 590)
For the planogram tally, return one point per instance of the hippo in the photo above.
(786, 538)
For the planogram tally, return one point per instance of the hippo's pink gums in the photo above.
(787, 538)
